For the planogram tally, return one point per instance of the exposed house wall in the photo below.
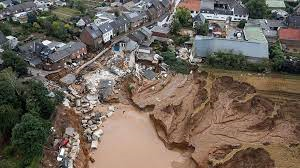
(89, 41)
(223, 17)
(107, 36)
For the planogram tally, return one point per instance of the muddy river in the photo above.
(130, 141)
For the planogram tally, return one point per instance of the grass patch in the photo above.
(64, 13)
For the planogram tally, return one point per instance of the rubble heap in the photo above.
(69, 147)
(92, 122)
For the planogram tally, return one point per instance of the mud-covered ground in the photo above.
(224, 122)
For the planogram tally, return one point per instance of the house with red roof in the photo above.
(290, 39)
(192, 5)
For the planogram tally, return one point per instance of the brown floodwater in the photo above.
(130, 141)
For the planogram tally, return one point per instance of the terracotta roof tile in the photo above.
(192, 5)
(289, 34)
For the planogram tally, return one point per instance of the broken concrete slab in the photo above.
(68, 79)
(111, 108)
(109, 114)
(94, 145)
(69, 131)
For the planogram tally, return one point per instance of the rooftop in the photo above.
(254, 34)
(205, 46)
(192, 5)
(275, 3)
(289, 34)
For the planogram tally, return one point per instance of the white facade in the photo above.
(100, 21)
(43, 5)
(107, 36)
(234, 18)
(80, 23)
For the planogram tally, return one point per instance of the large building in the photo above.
(290, 39)
(232, 10)
(254, 45)
(192, 5)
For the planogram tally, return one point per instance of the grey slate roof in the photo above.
(66, 50)
(87, 20)
(204, 46)
(119, 22)
(293, 21)
(207, 6)
(160, 29)
(21, 7)
(7, 2)
(104, 28)
(165, 3)
(93, 30)
(133, 17)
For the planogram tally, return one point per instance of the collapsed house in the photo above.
(53, 55)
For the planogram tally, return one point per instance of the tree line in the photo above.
(25, 110)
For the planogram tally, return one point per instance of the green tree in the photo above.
(184, 16)
(30, 135)
(59, 30)
(277, 56)
(78, 4)
(201, 29)
(37, 99)
(257, 8)
(242, 24)
(1, 7)
(5, 29)
(9, 117)
(175, 26)
(177, 65)
(10, 59)
(5, 163)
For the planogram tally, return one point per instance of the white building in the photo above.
(232, 10)
(107, 32)
(43, 5)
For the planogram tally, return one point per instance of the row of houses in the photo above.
(229, 10)
(18, 11)
(254, 40)
(233, 10)
(101, 31)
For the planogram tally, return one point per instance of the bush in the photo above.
(177, 65)
(10, 59)
(5, 28)
(30, 135)
(179, 40)
(235, 62)
(242, 24)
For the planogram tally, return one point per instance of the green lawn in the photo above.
(64, 13)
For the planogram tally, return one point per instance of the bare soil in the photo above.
(64, 118)
(217, 118)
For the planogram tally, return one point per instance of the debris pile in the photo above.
(92, 122)
(69, 147)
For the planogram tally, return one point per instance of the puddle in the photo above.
(130, 141)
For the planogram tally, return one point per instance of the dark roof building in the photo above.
(218, 9)
(66, 51)
(23, 7)
(104, 28)
(293, 21)
(290, 39)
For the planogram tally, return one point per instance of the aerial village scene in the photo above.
(149, 84)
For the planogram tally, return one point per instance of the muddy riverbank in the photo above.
(130, 141)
